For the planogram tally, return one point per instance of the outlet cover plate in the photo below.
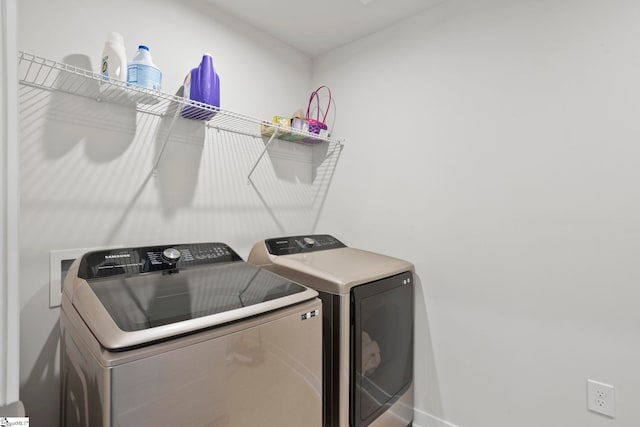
(601, 398)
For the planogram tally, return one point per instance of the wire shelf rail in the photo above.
(50, 75)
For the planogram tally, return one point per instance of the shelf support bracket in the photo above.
(266, 147)
(166, 140)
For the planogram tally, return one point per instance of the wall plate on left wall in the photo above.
(59, 263)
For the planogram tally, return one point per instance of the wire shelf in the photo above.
(55, 76)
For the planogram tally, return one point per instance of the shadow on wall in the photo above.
(293, 181)
(40, 392)
(180, 142)
(106, 129)
(68, 128)
(428, 401)
(282, 152)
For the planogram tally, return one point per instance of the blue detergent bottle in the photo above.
(202, 84)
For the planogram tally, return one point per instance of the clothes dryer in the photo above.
(368, 325)
(190, 335)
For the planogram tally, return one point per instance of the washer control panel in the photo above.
(302, 244)
(129, 261)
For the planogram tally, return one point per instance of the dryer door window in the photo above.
(381, 345)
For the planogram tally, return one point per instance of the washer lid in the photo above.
(124, 310)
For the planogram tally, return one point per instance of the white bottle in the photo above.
(114, 58)
(142, 71)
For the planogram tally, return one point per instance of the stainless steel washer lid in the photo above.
(323, 263)
(132, 297)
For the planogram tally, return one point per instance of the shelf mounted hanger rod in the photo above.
(266, 147)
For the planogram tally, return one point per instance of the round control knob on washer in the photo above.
(308, 242)
(171, 255)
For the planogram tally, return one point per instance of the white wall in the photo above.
(495, 144)
(85, 165)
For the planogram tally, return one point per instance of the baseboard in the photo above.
(423, 419)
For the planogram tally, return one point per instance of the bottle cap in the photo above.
(143, 47)
(114, 37)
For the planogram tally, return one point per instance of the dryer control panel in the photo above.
(302, 244)
(129, 261)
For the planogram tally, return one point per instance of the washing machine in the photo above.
(368, 325)
(187, 334)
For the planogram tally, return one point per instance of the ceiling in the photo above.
(316, 27)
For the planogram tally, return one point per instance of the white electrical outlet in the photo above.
(601, 398)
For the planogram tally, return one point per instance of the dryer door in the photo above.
(381, 346)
